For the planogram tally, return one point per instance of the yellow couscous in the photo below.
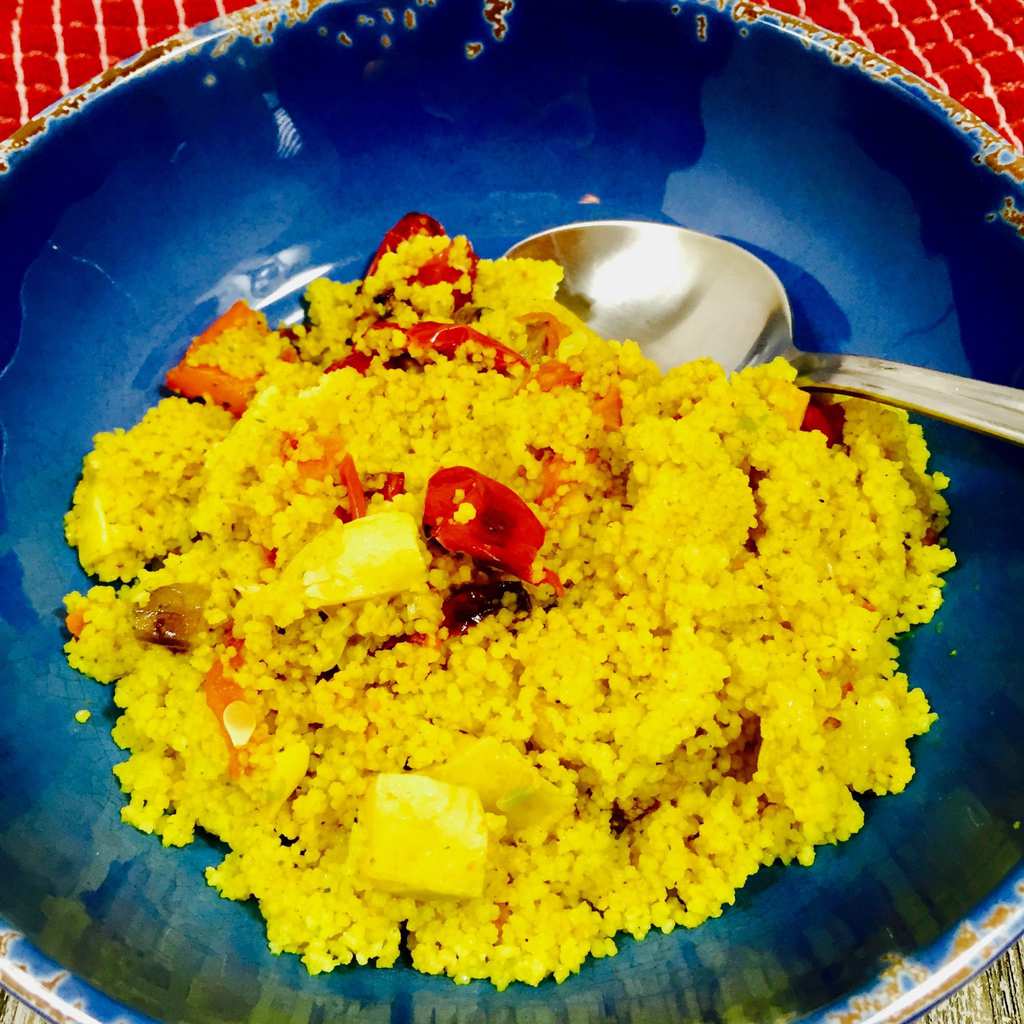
(465, 628)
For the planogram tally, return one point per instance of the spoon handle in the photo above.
(988, 408)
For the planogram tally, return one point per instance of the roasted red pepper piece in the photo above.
(356, 494)
(439, 269)
(358, 361)
(504, 533)
(828, 417)
(445, 340)
(407, 227)
(394, 485)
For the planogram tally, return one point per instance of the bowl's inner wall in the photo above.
(216, 177)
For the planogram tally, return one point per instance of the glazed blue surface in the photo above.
(127, 226)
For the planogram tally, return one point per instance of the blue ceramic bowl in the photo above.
(212, 168)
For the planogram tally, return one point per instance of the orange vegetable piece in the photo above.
(546, 330)
(356, 494)
(75, 622)
(213, 383)
(552, 476)
(317, 469)
(609, 407)
(238, 315)
(221, 691)
(553, 374)
(327, 465)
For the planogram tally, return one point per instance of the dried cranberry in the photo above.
(471, 603)
(438, 268)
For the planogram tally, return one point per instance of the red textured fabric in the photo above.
(972, 49)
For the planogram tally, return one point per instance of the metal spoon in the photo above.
(682, 294)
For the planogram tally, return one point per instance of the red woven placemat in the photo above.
(972, 49)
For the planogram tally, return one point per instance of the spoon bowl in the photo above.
(683, 294)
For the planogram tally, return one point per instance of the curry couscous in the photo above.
(467, 629)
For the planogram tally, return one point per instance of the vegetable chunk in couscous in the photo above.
(468, 629)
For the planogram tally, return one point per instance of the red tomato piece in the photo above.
(504, 533)
(407, 227)
(439, 269)
(446, 339)
(358, 361)
(827, 417)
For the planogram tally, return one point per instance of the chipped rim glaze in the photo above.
(908, 987)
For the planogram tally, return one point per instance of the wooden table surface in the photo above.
(997, 997)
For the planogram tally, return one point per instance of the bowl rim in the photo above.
(910, 986)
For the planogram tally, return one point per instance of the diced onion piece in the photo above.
(421, 837)
(289, 769)
(94, 540)
(507, 783)
(374, 556)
